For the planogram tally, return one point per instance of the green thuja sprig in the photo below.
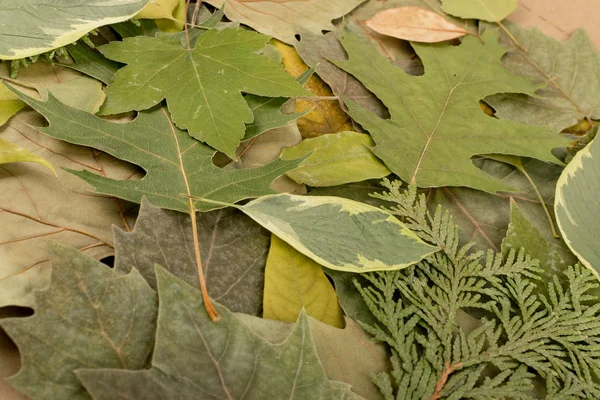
(524, 344)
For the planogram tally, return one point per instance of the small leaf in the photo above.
(202, 86)
(486, 10)
(335, 159)
(266, 148)
(195, 358)
(35, 27)
(89, 316)
(577, 205)
(164, 11)
(13, 153)
(339, 233)
(91, 62)
(272, 112)
(232, 246)
(522, 234)
(294, 282)
(82, 93)
(414, 23)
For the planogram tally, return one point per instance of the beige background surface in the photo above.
(560, 18)
(556, 18)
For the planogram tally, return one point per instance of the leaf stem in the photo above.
(318, 98)
(521, 168)
(185, 25)
(439, 385)
(510, 35)
(47, 223)
(210, 308)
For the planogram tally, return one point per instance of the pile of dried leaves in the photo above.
(192, 207)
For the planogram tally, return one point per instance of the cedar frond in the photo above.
(523, 335)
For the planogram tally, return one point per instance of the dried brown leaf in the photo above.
(36, 206)
(414, 23)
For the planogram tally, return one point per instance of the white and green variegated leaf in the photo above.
(577, 205)
(338, 233)
(31, 27)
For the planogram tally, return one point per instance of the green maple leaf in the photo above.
(202, 86)
(195, 358)
(436, 124)
(176, 165)
(89, 317)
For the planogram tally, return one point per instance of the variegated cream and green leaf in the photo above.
(31, 27)
(577, 205)
(338, 233)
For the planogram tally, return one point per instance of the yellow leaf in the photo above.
(9, 104)
(12, 153)
(293, 281)
(326, 116)
(164, 12)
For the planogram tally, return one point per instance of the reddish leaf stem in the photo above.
(439, 385)
(43, 222)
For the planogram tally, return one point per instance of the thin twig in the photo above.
(510, 35)
(521, 168)
(439, 385)
(210, 308)
(185, 26)
(43, 222)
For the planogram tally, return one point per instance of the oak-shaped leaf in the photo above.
(177, 166)
(202, 85)
(89, 317)
(195, 358)
(436, 123)
(567, 70)
(233, 249)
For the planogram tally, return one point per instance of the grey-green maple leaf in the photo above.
(436, 124)
(232, 246)
(202, 85)
(177, 166)
(195, 358)
(89, 317)
(568, 72)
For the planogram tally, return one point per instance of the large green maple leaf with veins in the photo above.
(177, 166)
(202, 85)
(436, 124)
